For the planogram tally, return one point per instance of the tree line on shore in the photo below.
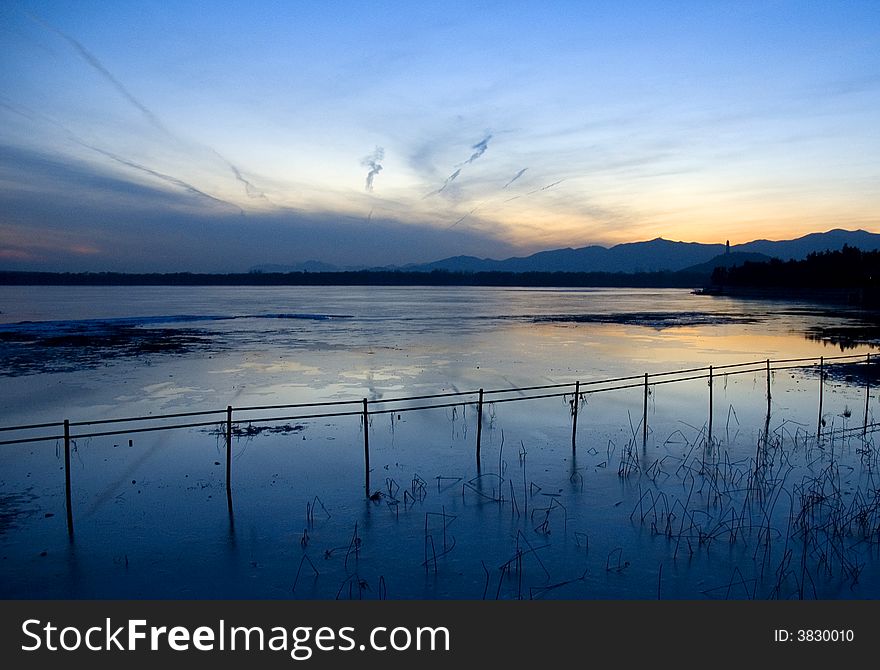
(847, 268)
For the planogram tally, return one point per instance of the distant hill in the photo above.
(651, 256)
(798, 249)
(658, 255)
(830, 271)
(726, 261)
(655, 255)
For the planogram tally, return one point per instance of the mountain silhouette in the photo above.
(657, 255)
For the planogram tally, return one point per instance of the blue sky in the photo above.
(219, 135)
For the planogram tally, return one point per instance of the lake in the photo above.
(765, 509)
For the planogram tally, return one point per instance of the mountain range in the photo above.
(650, 256)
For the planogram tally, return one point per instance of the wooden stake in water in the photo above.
(366, 449)
(710, 405)
(645, 416)
(574, 414)
(229, 456)
(479, 427)
(228, 447)
(67, 495)
(766, 418)
(867, 392)
(821, 391)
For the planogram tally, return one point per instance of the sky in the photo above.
(217, 136)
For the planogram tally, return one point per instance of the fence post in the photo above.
(767, 417)
(574, 418)
(710, 405)
(479, 427)
(867, 392)
(67, 495)
(229, 455)
(645, 416)
(821, 390)
(366, 449)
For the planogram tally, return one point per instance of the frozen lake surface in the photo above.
(754, 513)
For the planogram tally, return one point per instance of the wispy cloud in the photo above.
(373, 161)
(451, 178)
(43, 196)
(250, 190)
(169, 179)
(480, 148)
(547, 187)
(99, 67)
(15, 255)
(533, 191)
(96, 64)
(174, 181)
(465, 216)
(515, 177)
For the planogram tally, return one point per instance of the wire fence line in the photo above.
(380, 405)
(577, 390)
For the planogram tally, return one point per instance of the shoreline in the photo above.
(855, 296)
(684, 280)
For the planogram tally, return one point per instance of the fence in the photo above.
(365, 408)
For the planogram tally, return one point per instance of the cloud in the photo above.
(97, 220)
(465, 216)
(547, 187)
(451, 178)
(373, 162)
(99, 67)
(480, 148)
(533, 191)
(174, 181)
(26, 245)
(39, 176)
(515, 177)
(250, 190)
(15, 255)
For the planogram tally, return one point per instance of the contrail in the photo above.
(21, 111)
(464, 217)
(251, 190)
(515, 177)
(451, 178)
(98, 66)
(164, 177)
(548, 186)
(123, 161)
(537, 190)
(90, 58)
(480, 148)
(373, 161)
